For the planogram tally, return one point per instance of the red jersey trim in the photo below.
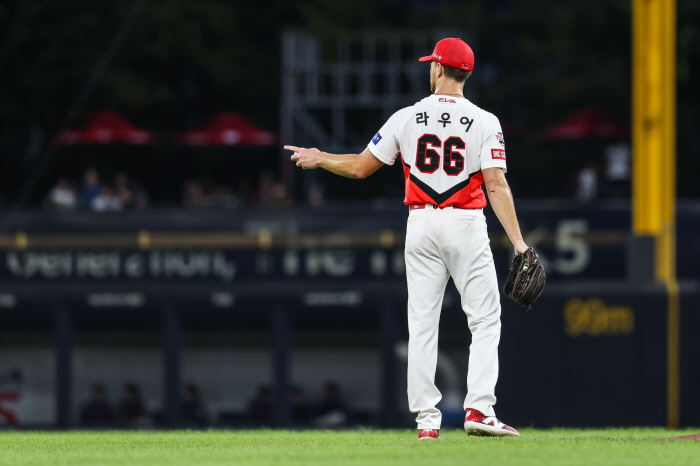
(467, 194)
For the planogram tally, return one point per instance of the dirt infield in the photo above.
(692, 438)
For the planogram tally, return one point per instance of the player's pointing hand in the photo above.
(305, 158)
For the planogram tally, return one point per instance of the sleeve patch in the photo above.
(498, 154)
(499, 136)
(377, 137)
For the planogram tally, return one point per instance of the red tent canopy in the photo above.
(589, 123)
(106, 127)
(228, 129)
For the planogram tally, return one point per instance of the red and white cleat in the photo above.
(424, 434)
(477, 424)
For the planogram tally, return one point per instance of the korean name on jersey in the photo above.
(444, 144)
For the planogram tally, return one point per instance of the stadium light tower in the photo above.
(654, 160)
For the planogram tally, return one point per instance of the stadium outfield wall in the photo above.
(591, 352)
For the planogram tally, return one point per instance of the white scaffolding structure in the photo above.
(375, 72)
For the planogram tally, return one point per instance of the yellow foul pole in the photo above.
(654, 163)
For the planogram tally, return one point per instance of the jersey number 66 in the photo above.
(428, 160)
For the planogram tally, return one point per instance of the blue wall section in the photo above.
(591, 352)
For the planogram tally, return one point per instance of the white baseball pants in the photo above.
(441, 243)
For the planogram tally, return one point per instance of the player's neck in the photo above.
(449, 87)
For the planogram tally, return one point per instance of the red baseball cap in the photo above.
(452, 52)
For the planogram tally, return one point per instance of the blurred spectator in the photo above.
(107, 201)
(244, 189)
(316, 194)
(300, 408)
(131, 412)
(91, 187)
(331, 410)
(194, 412)
(260, 409)
(224, 197)
(10, 396)
(63, 196)
(587, 183)
(271, 192)
(194, 194)
(617, 170)
(98, 411)
(131, 193)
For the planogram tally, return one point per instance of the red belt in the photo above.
(423, 206)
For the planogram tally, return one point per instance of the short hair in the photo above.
(456, 74)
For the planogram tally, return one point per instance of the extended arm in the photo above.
(502, 203)
(347, 165)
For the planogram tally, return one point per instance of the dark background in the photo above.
(183, 61)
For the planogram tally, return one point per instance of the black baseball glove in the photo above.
(526, 279)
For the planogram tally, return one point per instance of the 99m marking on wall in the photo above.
(595, 318)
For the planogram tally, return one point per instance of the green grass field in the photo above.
(559, 447)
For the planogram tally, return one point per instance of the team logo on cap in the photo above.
(439, 57)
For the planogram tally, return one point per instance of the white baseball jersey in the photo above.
(445, 142)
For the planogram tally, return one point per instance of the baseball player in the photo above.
(449, 148)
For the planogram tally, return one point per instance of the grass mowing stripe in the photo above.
(560, 447)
